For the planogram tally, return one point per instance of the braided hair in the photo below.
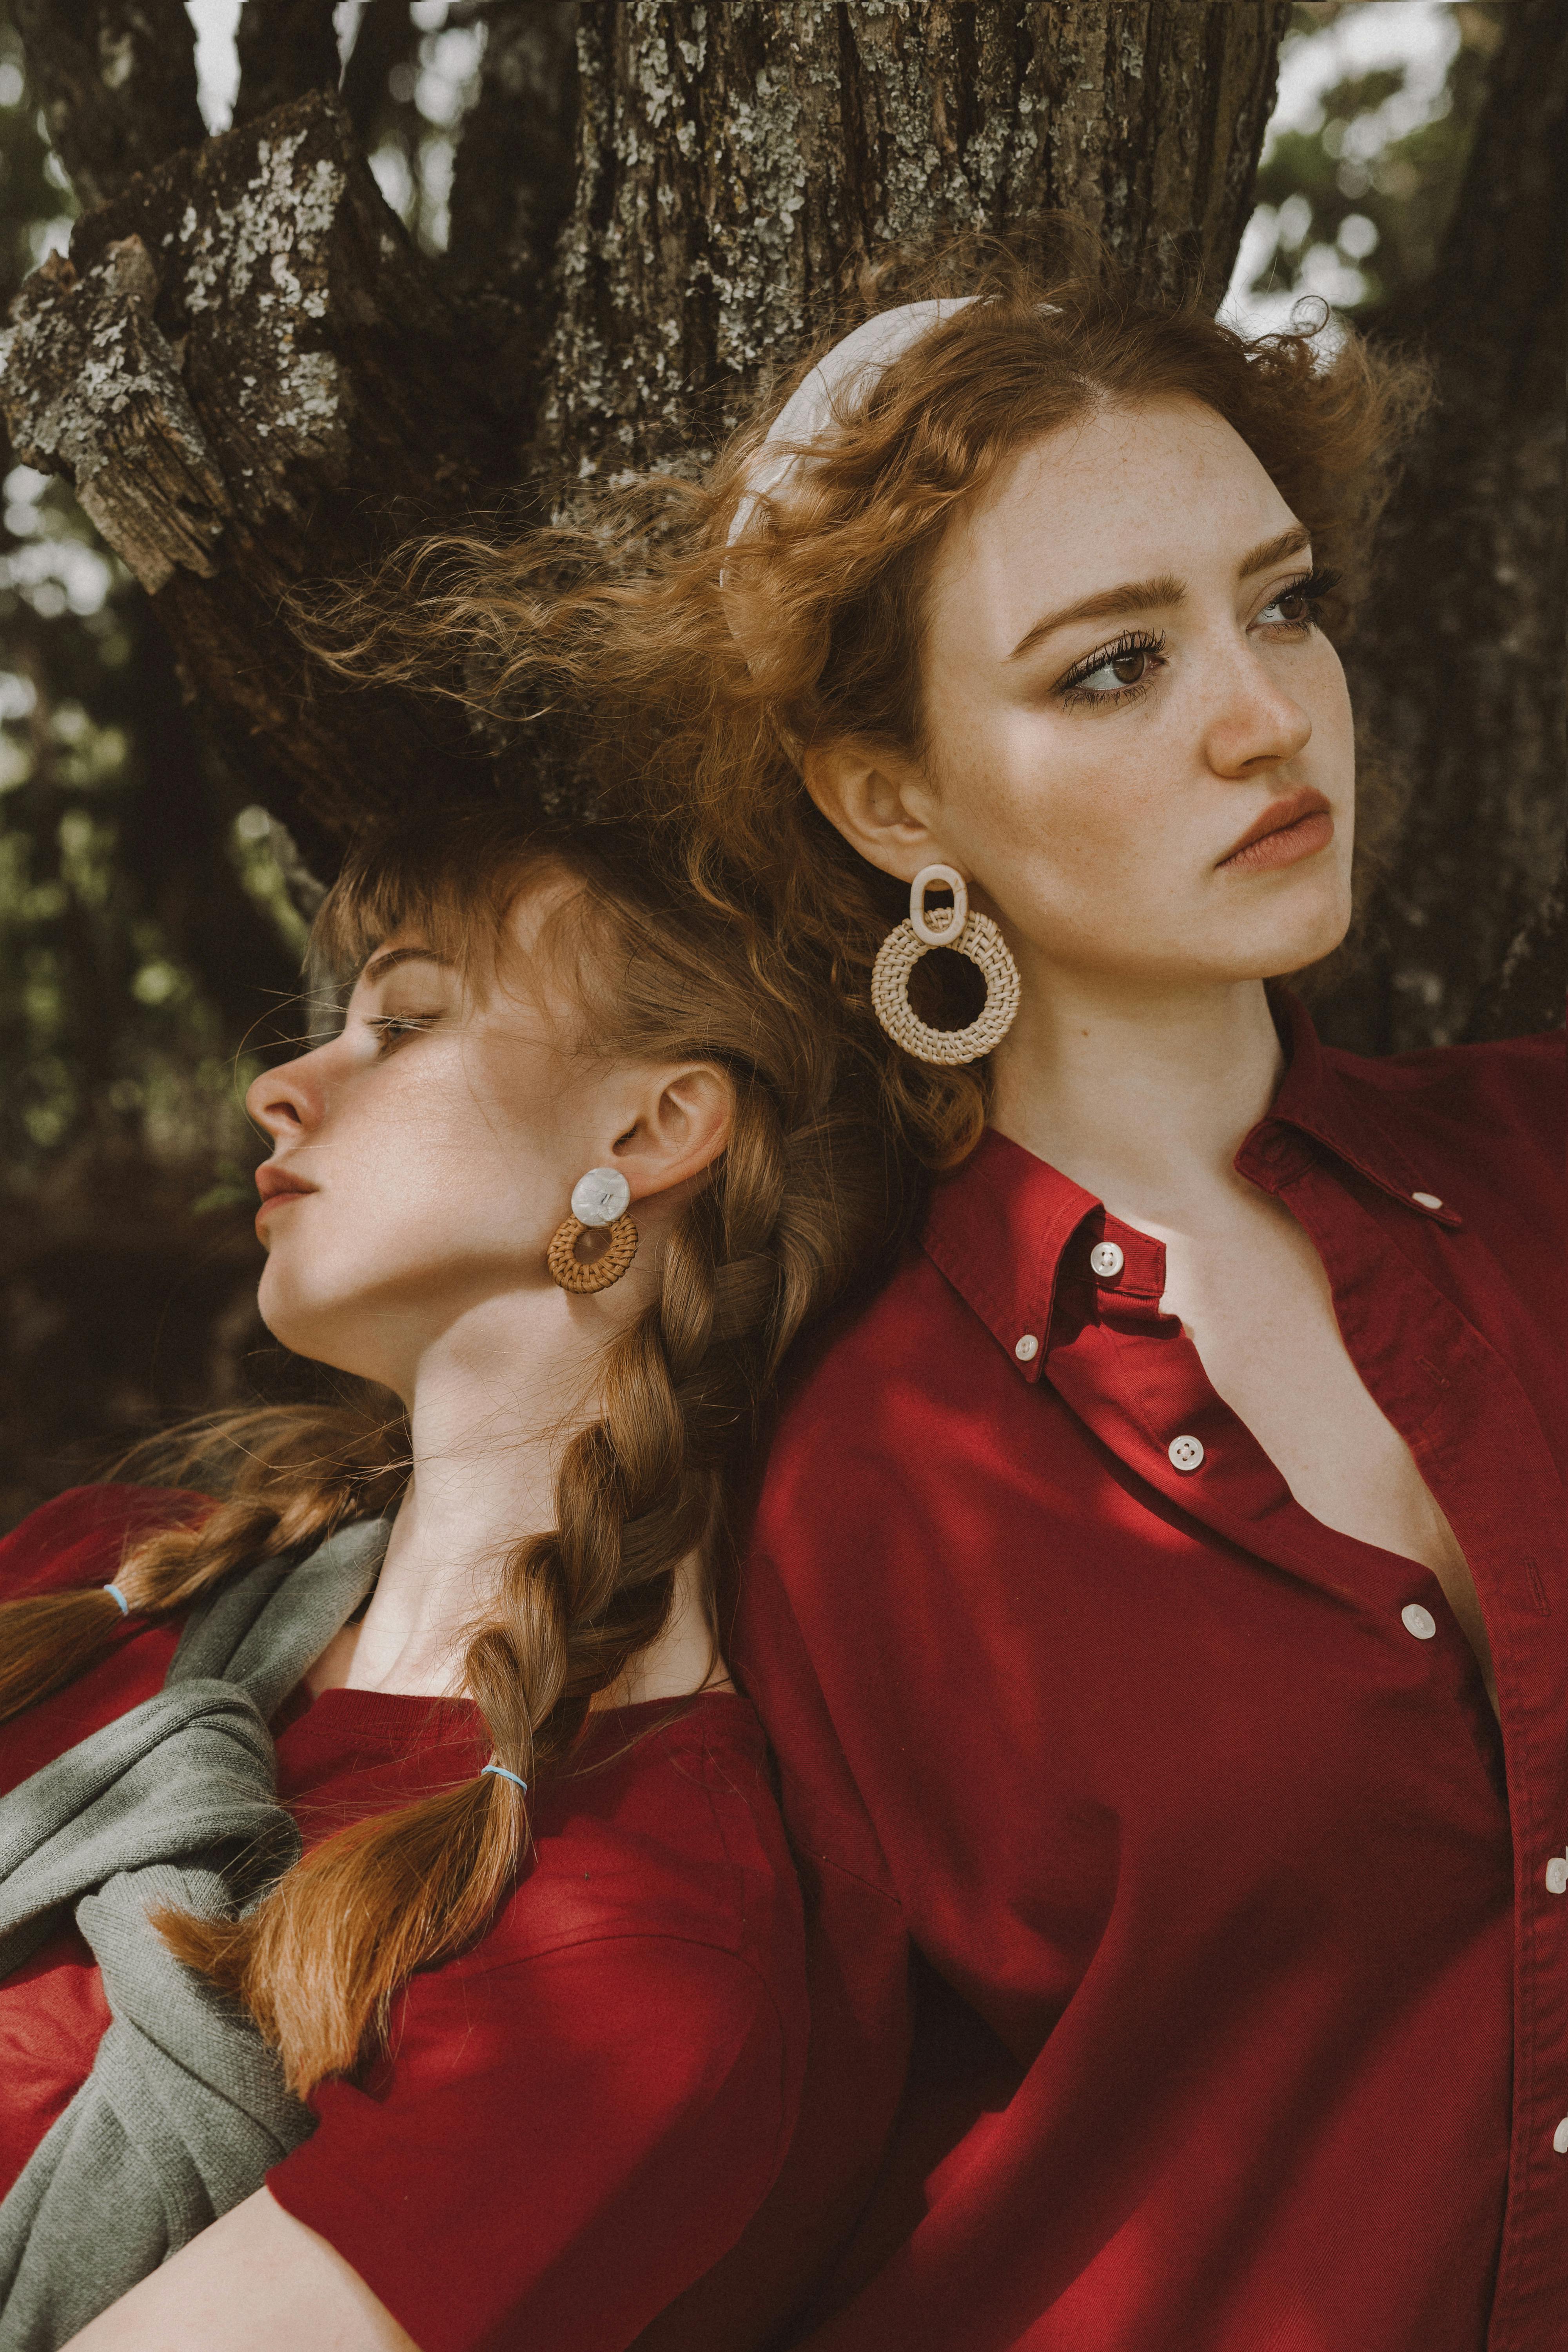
(801, 1200)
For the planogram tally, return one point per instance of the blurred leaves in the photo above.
(1377, 107)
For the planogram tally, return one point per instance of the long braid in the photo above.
(298, 1479)
(638, 1492)
(804, 1193)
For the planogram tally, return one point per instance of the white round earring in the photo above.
(599, 1200)
(974, 936)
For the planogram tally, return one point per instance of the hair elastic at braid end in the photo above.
(502, 1774)
(124, 1605)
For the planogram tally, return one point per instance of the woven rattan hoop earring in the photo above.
(599, 1203)
(974, 936)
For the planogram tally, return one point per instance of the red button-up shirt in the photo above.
(1172, 1829)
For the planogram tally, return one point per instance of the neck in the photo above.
(1141, 1094)
(491, 1400)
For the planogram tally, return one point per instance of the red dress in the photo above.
(1188, 1946)
(576, 2118)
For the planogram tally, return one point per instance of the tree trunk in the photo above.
(736, 165)
(1457, 665)
(118, 81)
(253, 379)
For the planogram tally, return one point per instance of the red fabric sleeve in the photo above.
(562, 2145)
(80, 1537)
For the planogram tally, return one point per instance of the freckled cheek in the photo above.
(1329, 756)
(1045, 816)
(434, 1152)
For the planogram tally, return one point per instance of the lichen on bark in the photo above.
(737, 166)
(92, 388)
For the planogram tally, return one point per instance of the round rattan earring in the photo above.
(599, 1203)
(974, 936)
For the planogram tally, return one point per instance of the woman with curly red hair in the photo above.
(1148, 1594)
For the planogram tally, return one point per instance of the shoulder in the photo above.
(1481, 1125)
(664, 1831)
(80, 1537)
(1518, 1080)
(860, 1369)
(873, 1405)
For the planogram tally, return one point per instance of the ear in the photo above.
(681, 1121)
(879, 801)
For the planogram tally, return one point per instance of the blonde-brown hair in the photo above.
(801, 1197)
(618, 639)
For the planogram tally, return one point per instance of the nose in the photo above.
(287, 1102)
(1256, 725)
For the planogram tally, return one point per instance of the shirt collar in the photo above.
(999, 1229)
(1344, 1103)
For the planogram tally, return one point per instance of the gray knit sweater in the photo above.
(175, 1803)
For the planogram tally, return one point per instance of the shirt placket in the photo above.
(1132, 1376)
(1477, 1443)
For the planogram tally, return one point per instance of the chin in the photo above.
(1292, 936)
(305, 1327)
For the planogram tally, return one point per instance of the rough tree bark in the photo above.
(252, 377)
(1458, 662)
(734, 164)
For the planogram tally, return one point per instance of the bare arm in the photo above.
(256, 2280)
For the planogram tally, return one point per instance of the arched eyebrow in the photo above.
(379, 965)
(1157, 595)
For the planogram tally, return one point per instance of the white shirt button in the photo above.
(1418, 1621)
(1107, 1260)
(1560, 2138)
(1426, 1200)
(1026, 1349)
(1185, 1453)
(1557, 1876)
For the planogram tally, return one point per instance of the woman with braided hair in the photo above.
(1150, 1594)
(435, 1973)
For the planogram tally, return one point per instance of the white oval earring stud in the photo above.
(599, 1200)
(974, 936)
(600, 1196)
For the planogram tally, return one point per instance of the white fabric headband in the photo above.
(847, 375)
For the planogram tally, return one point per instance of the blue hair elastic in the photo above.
(124, 1605)
(502, 1774)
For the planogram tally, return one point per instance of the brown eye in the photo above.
(1115, 672)
(1293, 606)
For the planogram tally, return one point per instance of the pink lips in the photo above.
(1292, 828)
(275, 1186)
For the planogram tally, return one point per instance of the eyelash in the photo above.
(1131, 642)
(1313, 586)
(390, 1028)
